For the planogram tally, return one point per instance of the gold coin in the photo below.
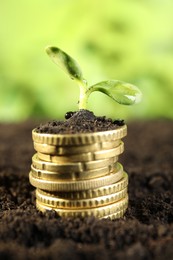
(79, 139)
(91, 165)
(77, 185)
(68, 150)
(70, 175)
(93, 193)
(57, 202)
(109, 153)
(71, 166)
(98, 212)
(83, 157)
(61, 167)
(116, 215)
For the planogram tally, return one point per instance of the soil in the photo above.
(82, 121)
(145, 232)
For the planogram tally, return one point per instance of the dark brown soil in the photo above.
(146, 231)
(82, 121)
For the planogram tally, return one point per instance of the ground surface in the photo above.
(146, 231)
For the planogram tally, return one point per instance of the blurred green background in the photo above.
(128, 40)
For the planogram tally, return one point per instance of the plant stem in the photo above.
(83, 98)
(84, 95)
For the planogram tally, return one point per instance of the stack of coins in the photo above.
(79, 174)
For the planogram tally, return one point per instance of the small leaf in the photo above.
(122, 92)
(67, 63)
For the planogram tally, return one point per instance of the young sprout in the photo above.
(122, 92)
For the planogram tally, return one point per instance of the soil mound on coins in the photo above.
(82, 121)
(146, 230)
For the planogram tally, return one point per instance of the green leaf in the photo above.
(122, 92)
(65, 62)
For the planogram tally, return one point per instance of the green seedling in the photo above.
(122, 92)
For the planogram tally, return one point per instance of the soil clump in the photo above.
(82, 121)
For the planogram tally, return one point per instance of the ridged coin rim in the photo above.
(93, 193)
(57, 202)
(72, 166)
(73, 176)
(77, 185)
(83, 157)
(79, 139)
(116, 215)
(68, 150)
(98, 212)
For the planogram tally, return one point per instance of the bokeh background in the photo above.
(128, 40)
